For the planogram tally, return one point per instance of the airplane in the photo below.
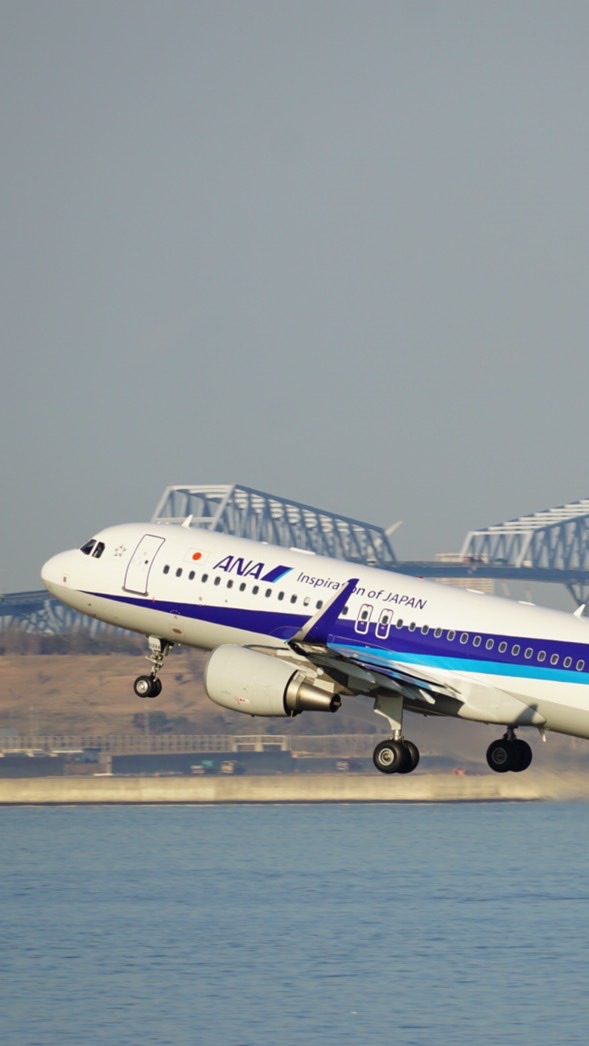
(291, 631)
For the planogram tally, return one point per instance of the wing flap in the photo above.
(362, 676)
(456, 695)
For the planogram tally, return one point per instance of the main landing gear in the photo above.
(509, 753)
(399, 756)
(150, 685)
(396, 755)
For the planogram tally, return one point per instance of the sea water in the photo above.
(259, 925)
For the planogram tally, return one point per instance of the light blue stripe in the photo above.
(379, 657)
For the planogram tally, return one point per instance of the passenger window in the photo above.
(242, 586)
(256, 589)
(541, 655)
(464, 637)
(412, 626)
(502, 647)
(424, 630)
(476, 641)
(438, 633)
(166, 569)
(319, 604)
(528, 652)
(567, 662)
(515, 649)
(554, 659)
(268, 592)
(451, 635)
(490, 644)
(230, 583)
(179, 572)
(293, 599)
(580, 666)
(400, 623)
(217, 581)
(205, 578)
(281, 595)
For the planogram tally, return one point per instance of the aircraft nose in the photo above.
(54, 572)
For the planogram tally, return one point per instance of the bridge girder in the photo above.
(249, 513)
(554, 539)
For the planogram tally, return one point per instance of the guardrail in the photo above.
(301, 744)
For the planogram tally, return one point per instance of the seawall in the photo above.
(292, 788)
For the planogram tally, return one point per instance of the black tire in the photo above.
(388, 756)
(143, 686)
(410, 757)
(522, 755)
(500, 756)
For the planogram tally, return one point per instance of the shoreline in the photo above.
(287, 788)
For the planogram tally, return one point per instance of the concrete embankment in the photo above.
(292, 788)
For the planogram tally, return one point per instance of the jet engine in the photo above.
(248, 681)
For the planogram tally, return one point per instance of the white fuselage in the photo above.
(205, 589)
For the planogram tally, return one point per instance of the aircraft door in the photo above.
(141, 562)
(363, 619)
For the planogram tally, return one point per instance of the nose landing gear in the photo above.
(150, 685)
(147, 686)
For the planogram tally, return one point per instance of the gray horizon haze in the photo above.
(336, 251)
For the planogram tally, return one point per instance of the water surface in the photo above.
(258, 925)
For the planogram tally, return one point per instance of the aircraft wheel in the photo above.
(522, 755)
(388, 756)
(500, 756)
(410, 757)
(147, 686)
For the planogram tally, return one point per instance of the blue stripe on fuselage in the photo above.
(285, 624)
(263, 622)
(387, 659)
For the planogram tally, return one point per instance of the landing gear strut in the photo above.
(509, 753)
(150, 685)
(397, 755)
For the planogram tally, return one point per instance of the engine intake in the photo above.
(247, 681)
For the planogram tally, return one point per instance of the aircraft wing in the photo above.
(422, 690)
(363, 671)
(357, 671)
(361, 675)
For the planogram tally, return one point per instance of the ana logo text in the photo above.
(249, 568)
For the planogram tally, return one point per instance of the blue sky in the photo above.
(336, 251)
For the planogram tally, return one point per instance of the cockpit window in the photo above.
(98, 550)
(87, 548)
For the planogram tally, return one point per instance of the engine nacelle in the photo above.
(259, 684)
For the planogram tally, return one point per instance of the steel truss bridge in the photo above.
(248, 513)
(551, 545)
